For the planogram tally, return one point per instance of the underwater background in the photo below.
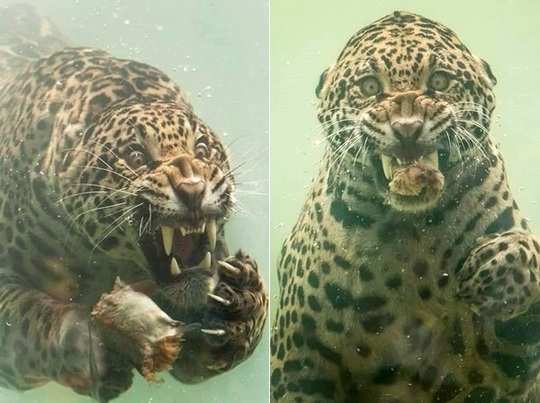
(217, 52)
(308, 35)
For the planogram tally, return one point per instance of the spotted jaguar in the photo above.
(107, 173)
(411, 275)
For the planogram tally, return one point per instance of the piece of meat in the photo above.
(136, 327)
(412, 180)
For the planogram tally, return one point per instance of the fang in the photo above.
(175, 269)
(211, 230)
(167, 236)
(206, 261)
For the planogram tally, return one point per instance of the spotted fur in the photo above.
(389, 299)
(95, 153)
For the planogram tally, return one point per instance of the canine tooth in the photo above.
(432, 159)
(387, 166)
(183, 230)
(202, 227)
(211, 230)
(167, 235)
(206, 261)
(175, 269)
(219, 299)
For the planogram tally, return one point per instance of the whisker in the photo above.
(340, 154)
(106, 187)
(74, 149)
(97, 209)
(121, 159)
(476, 124)
(462, 111)
(111, 171)
(141, 226)
(80, 194)
(122, 219)
(345, 153)
(472, 141)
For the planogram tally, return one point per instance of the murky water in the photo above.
(217, 52)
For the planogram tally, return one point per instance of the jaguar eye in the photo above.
(439, 81)
(201, 150)
(136, 159)
(370, 86)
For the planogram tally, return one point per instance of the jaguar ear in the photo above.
(324, 80)
(487, 72)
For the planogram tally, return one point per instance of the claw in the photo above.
(219, 299)
(214, 332)
(229, 267)
(217, 366)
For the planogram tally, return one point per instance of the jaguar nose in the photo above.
(191, 191)
(187, 181)
(407, 130)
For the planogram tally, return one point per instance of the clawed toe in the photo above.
(229, 267)
(214, 332)
(219, 299)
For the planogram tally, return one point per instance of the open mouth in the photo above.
(411, 184)
(175, 247)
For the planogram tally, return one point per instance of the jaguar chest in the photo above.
(380, 304)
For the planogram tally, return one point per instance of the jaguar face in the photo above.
(155, 186)
(404, 101)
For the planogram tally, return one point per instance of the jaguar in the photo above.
(410, 275)
(108, 176)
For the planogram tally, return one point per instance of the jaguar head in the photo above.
(153, 184)
(404, 101)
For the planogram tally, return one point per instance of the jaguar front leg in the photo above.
(233, 322)
(501, 276)
(43, 339)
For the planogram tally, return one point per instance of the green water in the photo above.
(218, 52)
(307, 36)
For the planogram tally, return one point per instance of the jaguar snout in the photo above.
(407, 168)
(407, 130)
(190, 191)
(187, 178)
(406, 117)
